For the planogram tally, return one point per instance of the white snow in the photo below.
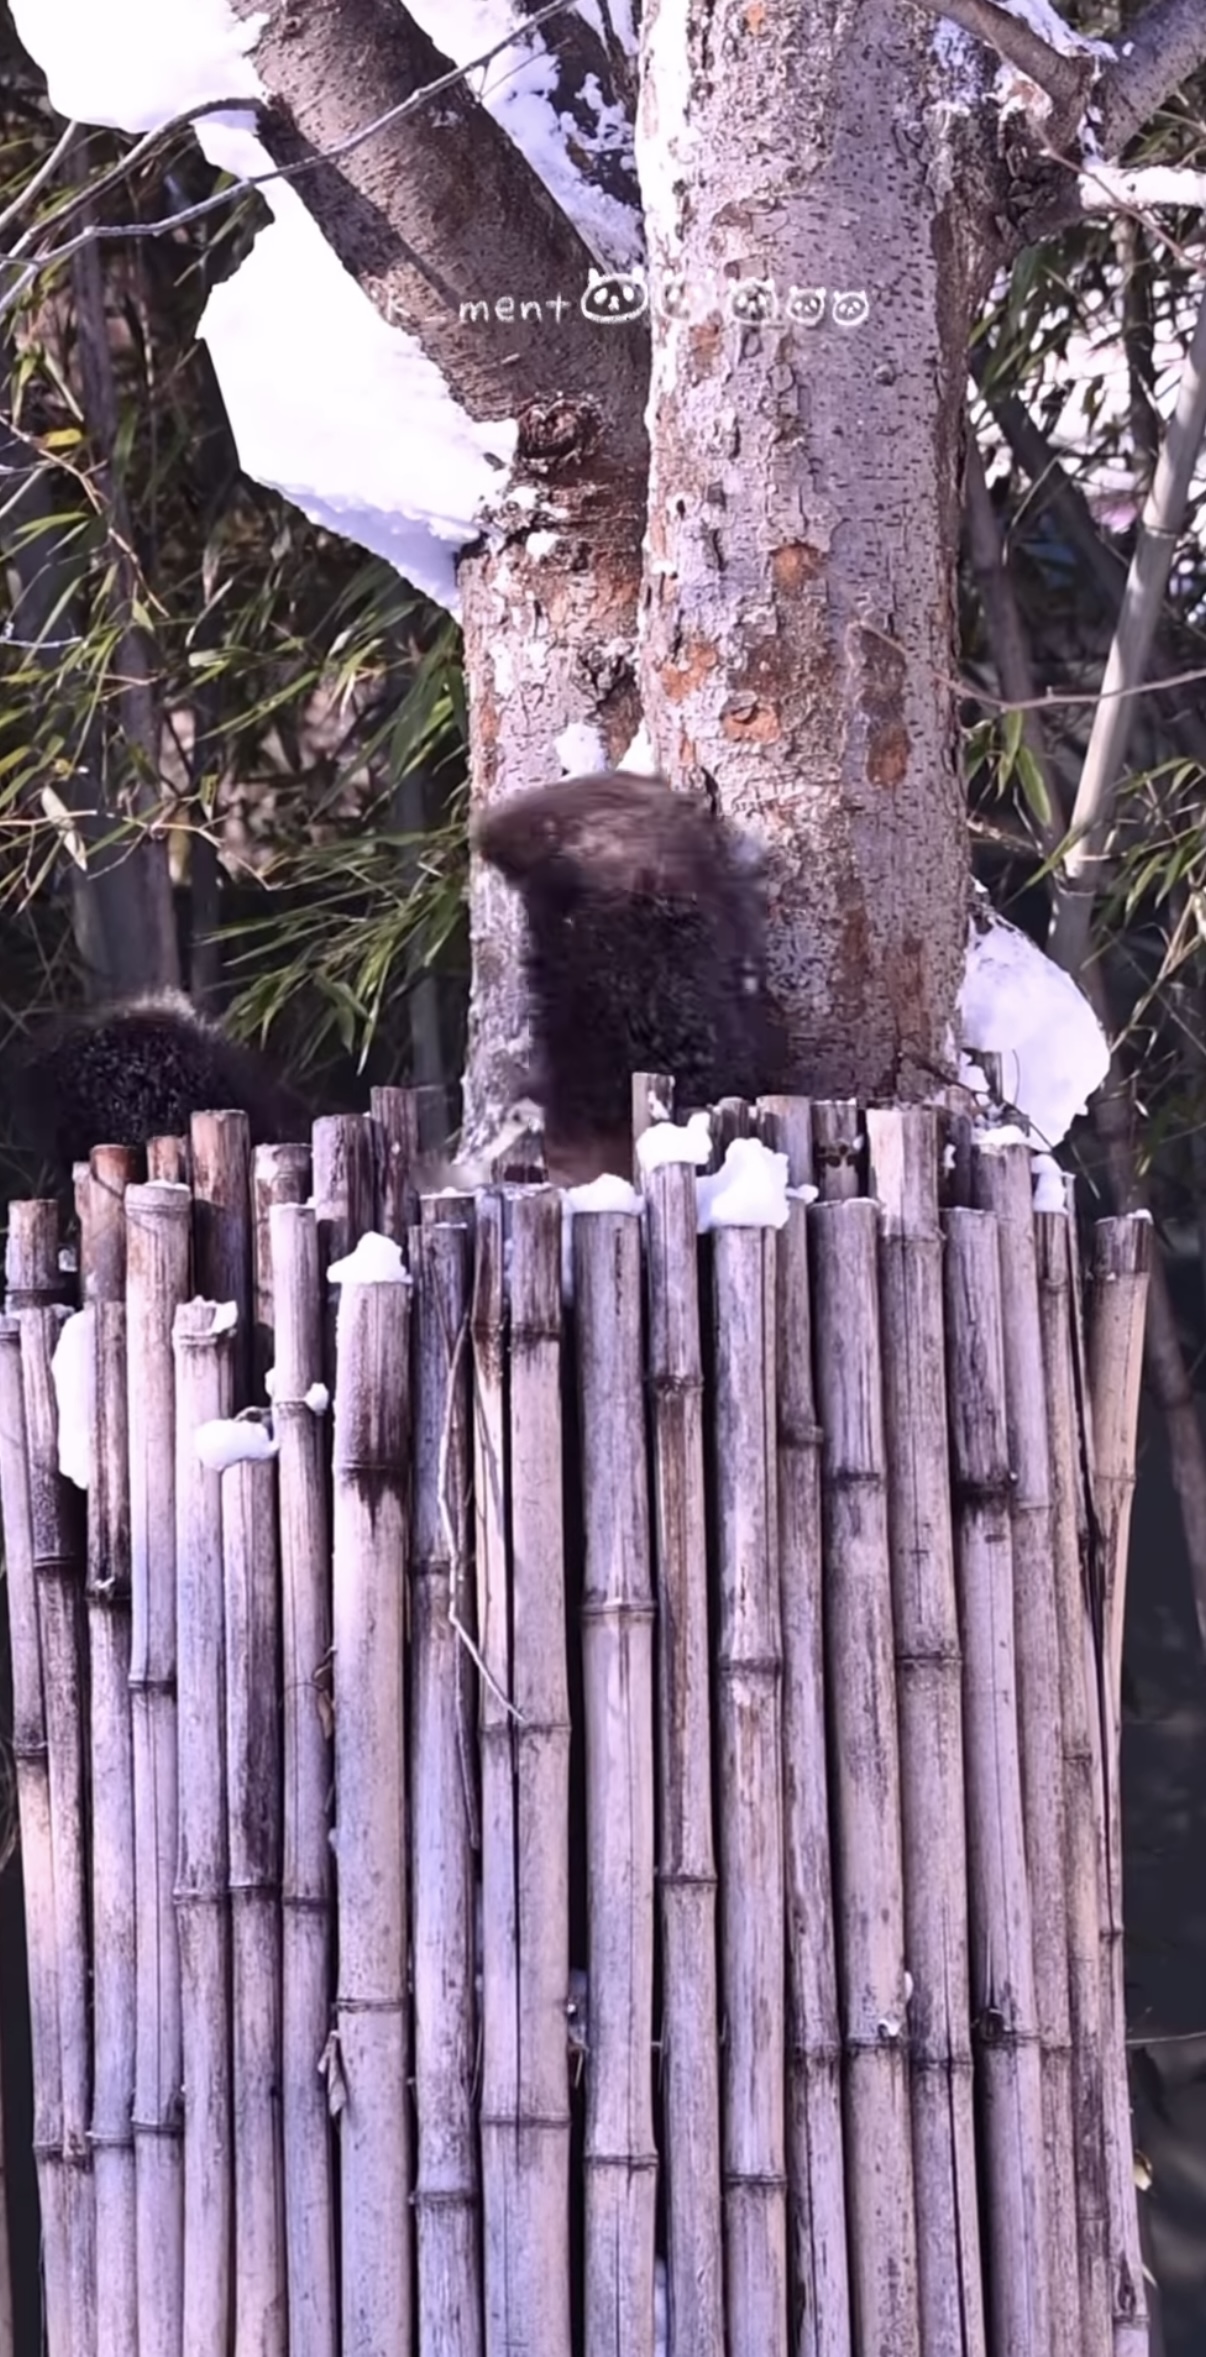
(328, 403)
(519, 88)
(135, 64)
(225, 1318)
(377, 1260)
(749, 1191)
(609, 1192)
(640, 755)
(1015, 1003)
(234, 1440)
(580, 748)
(672, 1141)
(318, 1399)
(73, 1372)
(1050, 1193)
(1050, 27)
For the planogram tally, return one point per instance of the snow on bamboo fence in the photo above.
(596, 1827)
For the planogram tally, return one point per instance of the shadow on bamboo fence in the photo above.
(598, 1828)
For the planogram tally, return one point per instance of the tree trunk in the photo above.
(804, 500)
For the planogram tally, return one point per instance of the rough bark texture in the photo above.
(549, 640)
(804, 499)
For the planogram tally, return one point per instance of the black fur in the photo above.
(121, 1075)
(646, 948)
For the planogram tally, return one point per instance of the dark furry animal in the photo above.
(120, 1075)
(646, 953)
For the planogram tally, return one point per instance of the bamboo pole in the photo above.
(58, 1559)
(1055, 1240)
(103, 1274)
(32, 1766)
(280, 1174)
(749, 1760)
(819, 2272)
(204, 1356)
(220, 1154)
(1004, 2019)
(306, 1870)
(394, 1116)
(866, 1777)
(32, 1276)
(617, 1657)
(253, 1800)
(443, 1807)
(168, 1162)
(1001, 1183)
(904, 1173)
(157, 1256)
(525, 1746)
(344, 1188)
(839, 1149)
(686, 1856)
(1117, 1301)
(370, 1550)
(8, 2346)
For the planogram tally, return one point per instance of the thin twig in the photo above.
(1161, 525)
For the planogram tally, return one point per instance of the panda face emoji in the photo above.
(613, 298)
(806, 305)
(752, 301)
(851, 308)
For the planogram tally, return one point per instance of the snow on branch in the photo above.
(555, 99)
(329, 404)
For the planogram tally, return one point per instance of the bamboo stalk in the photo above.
(253, 1799)
(394, 1117)
(1082, 1877)
(1001, 1183)
(1004, 2019)
(157, 1249)
(838, 1149)
(306, 1907)
(443, 1807)
(929, 1675)
(32, 1276)
(8, 2345)
(168, 1162)
(280, 1174)
(819, 2273)
(344, 1186)
(32, 1766)
(525, 1745)
(370, 1549)
(617, 1656)
(204, 1388)
(749, 1759)
(220, 1153)
(686, 1857)
(58, 1560)
(103, 1273)
(866, 1778)
(1117, 1304)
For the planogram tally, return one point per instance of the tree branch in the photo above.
(1104, 568)
(441, 214)
(1163, 516)
(1164, 46)
(1065, 79)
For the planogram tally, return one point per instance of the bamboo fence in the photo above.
(764, 1588)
